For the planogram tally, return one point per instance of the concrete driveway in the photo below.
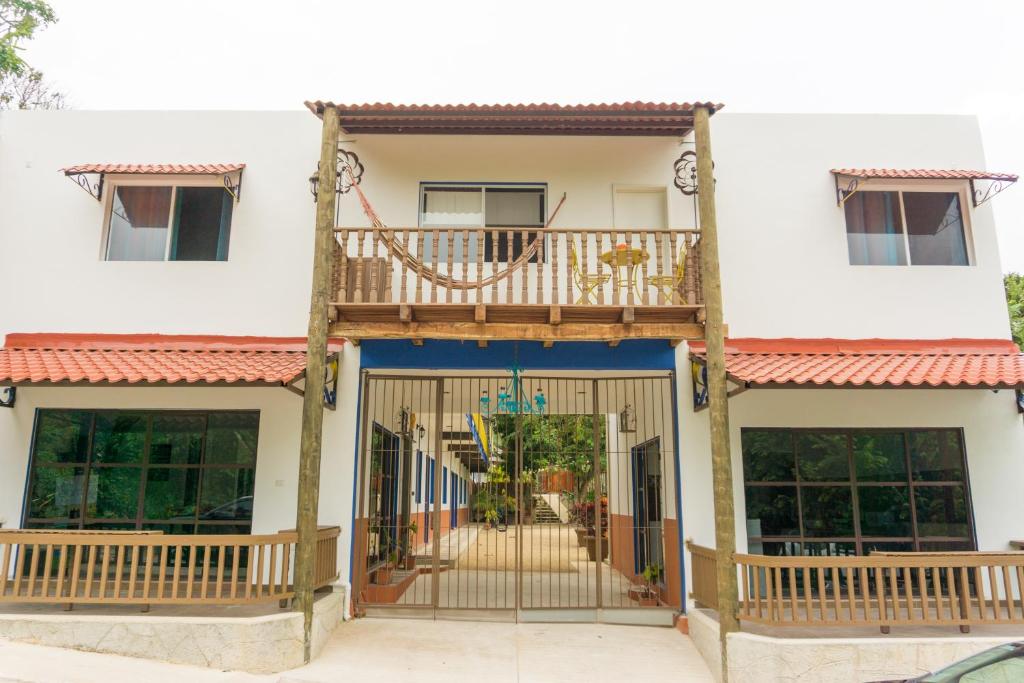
(423, 651)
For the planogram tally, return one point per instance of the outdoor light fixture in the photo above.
(627, 420)
(421, 431)
(8, 396)
(403, 420)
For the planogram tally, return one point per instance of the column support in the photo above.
(718, 401)
(313, 397)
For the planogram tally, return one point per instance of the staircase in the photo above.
(542, 512)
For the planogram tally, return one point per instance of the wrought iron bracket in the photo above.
(349, 172)
(8, 396)
(994, 187)
(94, 188)
(843, 194)
(686, 173)
(233, 185)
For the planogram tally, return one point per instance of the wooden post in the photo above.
(313, 398)
(718, 406)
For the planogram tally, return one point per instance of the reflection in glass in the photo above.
(177, 439)
(874, 229)
(113, 492)
(62, 436)
(138, 224)
(823, 457)
(880, 456)
(768, 456)
(171, 492)
(941, 510)
(57, 492)
(884, 510)
(936, 456)
(935, 228)
(231, 438)
(827, 510)
(120, 437)
(771, 511)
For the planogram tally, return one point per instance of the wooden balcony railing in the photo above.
(881, 589)
(504, 276)
(150, 568)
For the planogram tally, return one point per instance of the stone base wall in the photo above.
(266, 644)
(756, 658)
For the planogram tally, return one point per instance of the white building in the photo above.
(875, 404)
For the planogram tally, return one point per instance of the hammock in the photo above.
(438, 279)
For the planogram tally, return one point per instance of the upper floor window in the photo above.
(168, 223)
(481, 205)
(903, 227)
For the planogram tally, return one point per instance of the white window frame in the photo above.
(174, 181)
(960, 187)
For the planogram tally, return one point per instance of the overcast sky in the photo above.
(891, 56)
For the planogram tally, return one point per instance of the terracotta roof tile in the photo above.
(172, 169)
(989, 363)
(133, 359)
(923, 174)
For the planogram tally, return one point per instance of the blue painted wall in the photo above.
(637, 354)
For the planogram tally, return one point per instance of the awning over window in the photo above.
(811, 363)
(90, 176)
(28, 359)
(848, 179)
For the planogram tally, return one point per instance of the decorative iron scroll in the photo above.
(994, 187)
(843, 194)
(233, 185)
(94, 188)
(686, 173)
(349, 172)
(8, 395)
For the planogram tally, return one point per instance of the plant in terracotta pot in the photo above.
(410, 554)
(646, 595)
(591, 541)
(490, 518)
(382, 575)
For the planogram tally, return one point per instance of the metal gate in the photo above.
(518, 497)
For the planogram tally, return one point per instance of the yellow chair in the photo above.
(587, 283)
(670, 285)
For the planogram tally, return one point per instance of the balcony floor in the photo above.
(540, 322)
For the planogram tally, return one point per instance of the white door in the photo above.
(640, 208)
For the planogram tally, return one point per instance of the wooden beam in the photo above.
(416, 341)
(405, 313)
(532, 331)
(628, 315)
(613, 343)
(311, 439)
(674, 342)
(555, 315)
(481, 343)
(718, 388)
(480, 313)
(548, 343)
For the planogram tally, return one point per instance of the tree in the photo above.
(1014, 284)
(28, 91)
(21, 86)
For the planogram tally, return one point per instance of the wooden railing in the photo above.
(882, 589)
(145, 568)
(703, 581)
(585, 266)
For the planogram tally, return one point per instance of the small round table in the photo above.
(625, 260)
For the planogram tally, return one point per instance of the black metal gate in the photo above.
(518, 497)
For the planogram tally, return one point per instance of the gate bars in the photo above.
(464, 507)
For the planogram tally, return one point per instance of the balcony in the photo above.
(583, 284)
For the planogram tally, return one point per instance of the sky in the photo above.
(892, 56)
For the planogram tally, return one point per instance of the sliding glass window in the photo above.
(181, 472)
(851, 491)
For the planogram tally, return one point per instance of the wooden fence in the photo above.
(881, 589)
(145, 568)
(582, 266)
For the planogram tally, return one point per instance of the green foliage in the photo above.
(1014, 284)
(652, 573)
(19, 20)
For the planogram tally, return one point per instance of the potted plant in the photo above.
(591, 540)
(490, 518)
(646, 595)
(410, 554)
(382, 576)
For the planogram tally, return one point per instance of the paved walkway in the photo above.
(423, 651)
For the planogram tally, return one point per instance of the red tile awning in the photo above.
(626, 118)
(809, 363)
(923, 174)
(155, 169)
(152, 359)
